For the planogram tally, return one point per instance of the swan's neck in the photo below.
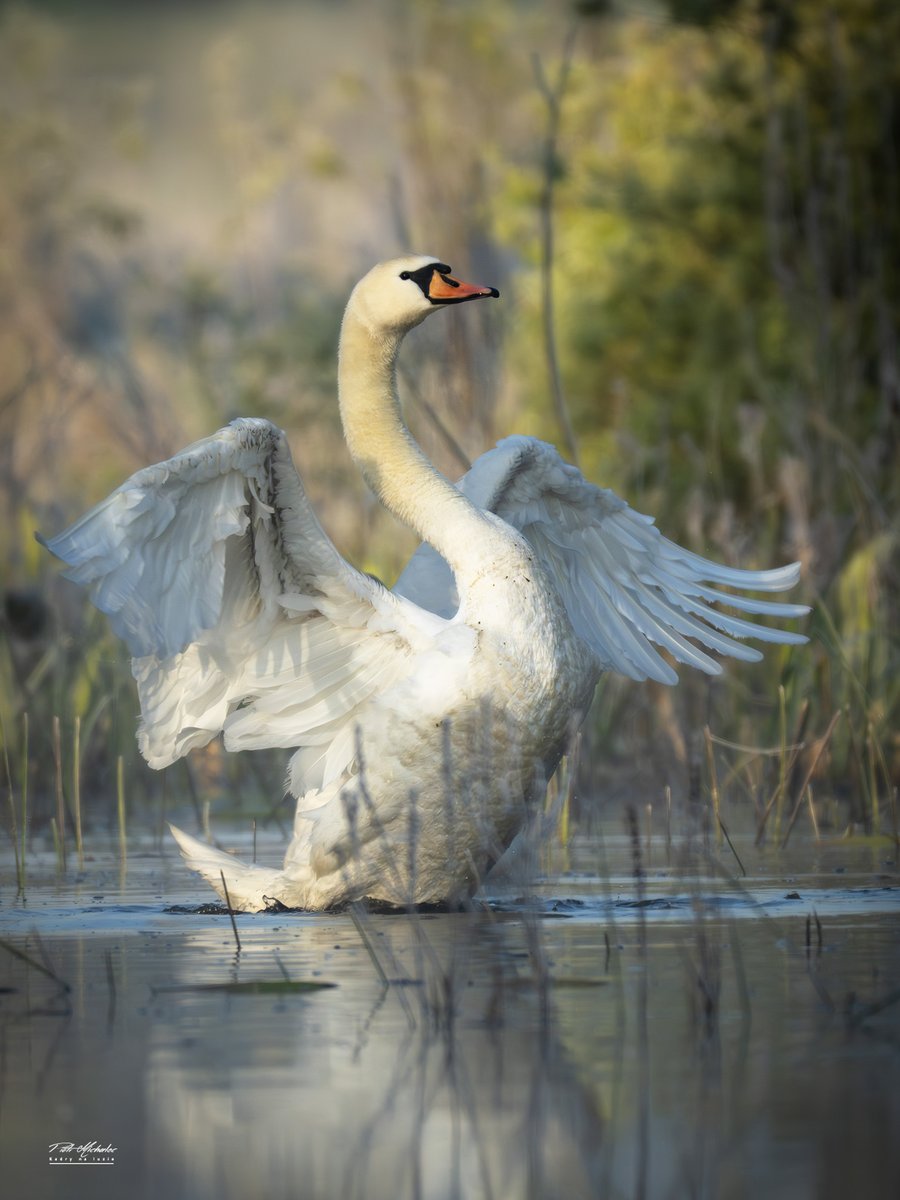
(391, 461)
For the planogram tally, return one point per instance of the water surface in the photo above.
(689, 1034)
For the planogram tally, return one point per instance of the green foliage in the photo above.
(707, 259)
(728, 236)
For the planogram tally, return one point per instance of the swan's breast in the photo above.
(532, 663)
(441, 679)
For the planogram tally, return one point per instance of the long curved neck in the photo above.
(393, 464)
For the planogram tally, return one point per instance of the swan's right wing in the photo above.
(626, 588)
(240, 613)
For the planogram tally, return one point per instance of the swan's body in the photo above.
(426, 720)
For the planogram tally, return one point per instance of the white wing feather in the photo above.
(243, 617)
(239, 611)
(625, 586)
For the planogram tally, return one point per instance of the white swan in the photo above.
(425, 720)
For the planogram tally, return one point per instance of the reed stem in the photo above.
(230, 911)
(57, 848)
(873, 778)
(810, 771)
(13, 823)
(713, 783)
(60, 804)
(668, 792)
(649, 813)
(120, 795)
(782, 760)
(76, 790)
(812, 811)
(24, 833)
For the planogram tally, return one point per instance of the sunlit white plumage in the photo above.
(425, 720)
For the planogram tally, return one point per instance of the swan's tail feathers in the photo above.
(250, 888)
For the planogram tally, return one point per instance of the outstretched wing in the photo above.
(240, 613)
(624, 585)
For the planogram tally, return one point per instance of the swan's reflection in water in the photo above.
(447, 1082)
(453, 1083)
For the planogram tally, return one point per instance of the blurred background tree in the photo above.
(189, 192)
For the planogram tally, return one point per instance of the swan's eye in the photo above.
(406, 275)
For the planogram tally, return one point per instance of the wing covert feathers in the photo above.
(626, 588)
(240, 613)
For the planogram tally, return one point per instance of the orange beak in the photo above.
(444, 289)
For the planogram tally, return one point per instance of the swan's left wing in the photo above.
(626, 588)
(239, 611)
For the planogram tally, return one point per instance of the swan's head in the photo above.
(397, 295)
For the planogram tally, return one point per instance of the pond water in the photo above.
(679, 1035)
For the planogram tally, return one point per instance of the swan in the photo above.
(425, 720)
